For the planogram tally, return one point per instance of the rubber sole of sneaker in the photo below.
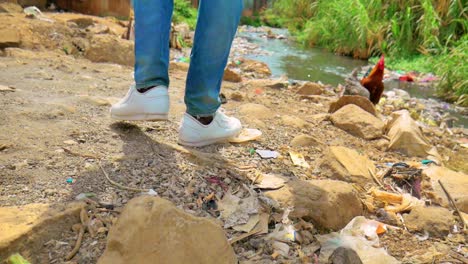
(142, 117)
(204, 142)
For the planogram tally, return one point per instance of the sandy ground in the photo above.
(56, 126)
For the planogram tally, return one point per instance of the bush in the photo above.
(184, 12)
(424, 35)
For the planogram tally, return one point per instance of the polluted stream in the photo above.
(285, 57)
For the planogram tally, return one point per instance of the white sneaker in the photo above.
(195, 134)
(151, 105)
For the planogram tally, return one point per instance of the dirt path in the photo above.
(55, 126)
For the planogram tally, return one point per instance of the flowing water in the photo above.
(288, 58)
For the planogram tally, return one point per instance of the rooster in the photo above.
(373, 81)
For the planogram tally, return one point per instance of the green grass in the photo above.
(422, 35)
(184, 13)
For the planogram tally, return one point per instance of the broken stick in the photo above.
(118, 185)
(375, 178)
(452, 202)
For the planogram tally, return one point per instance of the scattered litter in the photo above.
(270, 181)
(298, 159)
(406, 78)
(284, 231)
(260, 228)
(236, 211)
(258, 91)
(247, 227)
(396, 203)
(267, 154)
(152, 192)
(247, 134)
(406, 177)
(70, 180)
(428, 78)
(82, 196)
(183, 59)
(424, 237)
(34, 12)
(427, 162)
(280, 248)
(252, 151)
(359, 237)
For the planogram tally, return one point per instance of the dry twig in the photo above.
(375, 179)
(118, 185)
(452, 202)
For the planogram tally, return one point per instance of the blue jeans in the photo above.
(216, 26)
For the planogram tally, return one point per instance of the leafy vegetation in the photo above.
(184, 12)
(423, 35)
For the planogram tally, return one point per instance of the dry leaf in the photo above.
(236, 211)
(253, 221)
(270, 181)
(298, 159)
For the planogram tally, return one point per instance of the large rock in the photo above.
(255, 111)
(25, 229)
(10, 8)
(347, 165)
(267, 83)
(437, 221)
(358, 122)
(305, 141)
(9, 37)
(179, 66)
(108, 48)
(293, 121)
(232, 75)
(456, 184)
(328, 204)
(406, 136)
(310, 88)
(260, 69)
(152, 229)
(360, 101)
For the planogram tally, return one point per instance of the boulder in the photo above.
(456, 184)
(237, 96)
(293, 121)
(360, 101)
(9, 37)
(267, 83)
(232, 75)
(82, 22)
(25, 229)
(305, 141)
(347, 165)
(437, 221)
(310, 88)
(10, 8)
(260, 69)
(357, 122)
(107, 48)
(255, 111)
(151, 228)
(328, 204)
(406, 136)
(179, 66)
